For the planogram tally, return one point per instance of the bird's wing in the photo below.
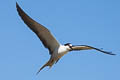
(86, 47)
(43, 33)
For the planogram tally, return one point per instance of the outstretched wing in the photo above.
(86, 47)
(43, 33)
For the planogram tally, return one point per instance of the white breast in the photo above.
(62, 50)
(59, 52)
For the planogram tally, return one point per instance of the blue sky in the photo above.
(90, 22)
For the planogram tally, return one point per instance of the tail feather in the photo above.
(49, 63)
(45, 65)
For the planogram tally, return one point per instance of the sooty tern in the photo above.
(56, 49)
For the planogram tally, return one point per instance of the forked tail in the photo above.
(45, 65)
(49, 63)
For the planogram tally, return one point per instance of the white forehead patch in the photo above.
(70, 44)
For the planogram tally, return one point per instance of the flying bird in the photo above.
(56, 50)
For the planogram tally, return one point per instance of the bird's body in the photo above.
(56, 49)
(56, 55)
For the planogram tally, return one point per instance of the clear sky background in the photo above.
(90, 22)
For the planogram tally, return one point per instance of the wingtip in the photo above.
(37, 72)
(112, 54)
(17, 5)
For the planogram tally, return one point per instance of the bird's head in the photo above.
(69, 45)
